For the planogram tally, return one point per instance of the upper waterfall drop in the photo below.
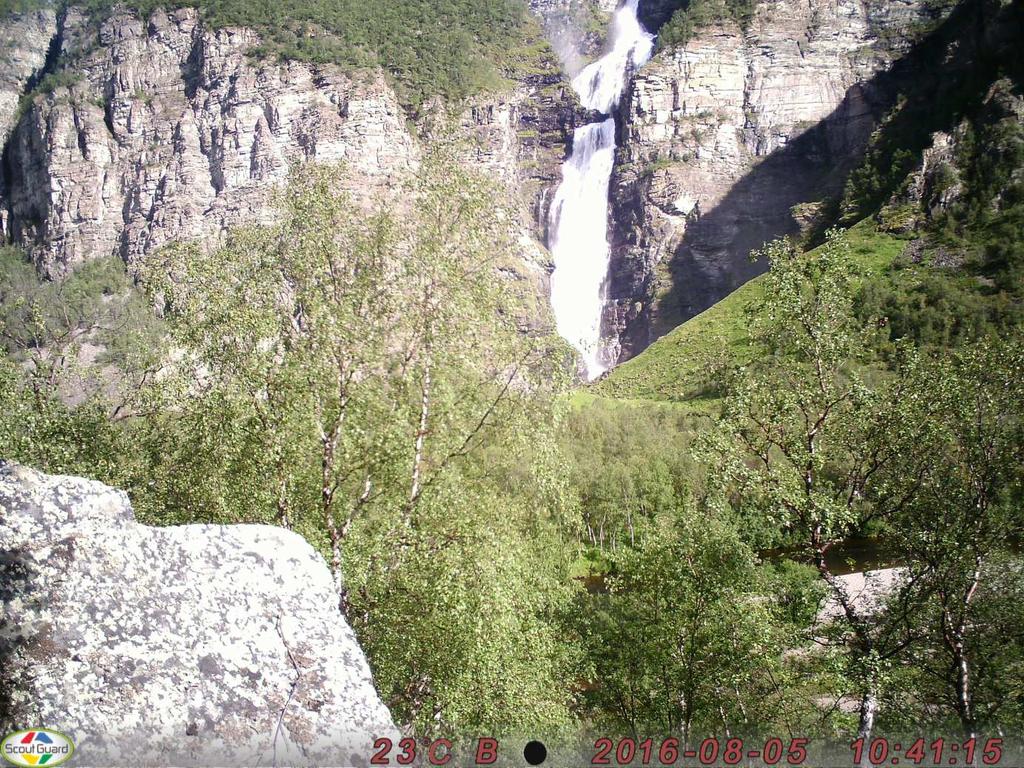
(579, 213)
(601, 85)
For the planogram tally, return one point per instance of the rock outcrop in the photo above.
(508, 142)
(522, 139)
(949, 171)
(721, 137)
(150, 131)
(196, 645)
(24, 45)
(866, 591)
(577, 29)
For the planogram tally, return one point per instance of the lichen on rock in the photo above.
(194, 645)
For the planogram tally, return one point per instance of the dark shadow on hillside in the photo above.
(944, 77)
(653, 14)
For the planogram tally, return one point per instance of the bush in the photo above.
(686, 22)
(9, 7)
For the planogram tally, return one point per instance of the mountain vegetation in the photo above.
(664, 552)
(698, 14)
(357, 379)
(448, 48)
(841, 387)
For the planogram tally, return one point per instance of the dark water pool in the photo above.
(866, 553)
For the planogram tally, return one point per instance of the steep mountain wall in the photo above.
(576, 28)
(148, 131)
(140, 132)
(165, 129)
(520, 139)
(724, 135)
(24, 44)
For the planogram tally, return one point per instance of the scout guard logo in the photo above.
(39, 747)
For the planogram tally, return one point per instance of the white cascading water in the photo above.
(579, 213)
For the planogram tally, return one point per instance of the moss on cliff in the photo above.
(448, 48)
(8, 7)
(698, 14)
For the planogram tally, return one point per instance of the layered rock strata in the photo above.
(164, 129)
(724, 135)
(150, 131)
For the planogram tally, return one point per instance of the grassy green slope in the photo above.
(966, 279)
(676, 367)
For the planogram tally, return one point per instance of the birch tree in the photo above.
(964, 521)
(362, 377)
(814, 448)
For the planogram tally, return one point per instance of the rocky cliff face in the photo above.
(722, 137)
(577, 29)
(948, 166)
(520, 139)
(199, 645)
(24, 45)
(166, 130)
(163, 129)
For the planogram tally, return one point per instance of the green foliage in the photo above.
(879, 390)
(356, 376)
(818, 449)
(799, 592)
(38, 429)
(699, 14)
(357, 386)
(967, 278)
(973, 105)
(628, 483)
(62, 76)
(10, 7)
(34, 311)
(56, 330)
(708, 654)
(960, 529)
(961, 282)
(689, 366)
(72, 354)
(811, 432)
(452, 48)
(61, 79)
(823, 446)
(965, 204)
(465, 635)
(656, 165)
(933, 308)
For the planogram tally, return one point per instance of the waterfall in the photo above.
(579, 213)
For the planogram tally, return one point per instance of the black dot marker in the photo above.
(535, 752)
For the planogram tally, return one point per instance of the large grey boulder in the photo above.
(197, 645)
